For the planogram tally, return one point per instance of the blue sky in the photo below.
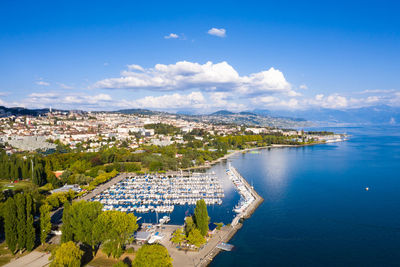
(106, 55)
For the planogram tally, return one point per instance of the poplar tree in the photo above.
(10, 224)
(20, 202)
(67, 231)
(30, 229)
(201, 216)
(45, 222)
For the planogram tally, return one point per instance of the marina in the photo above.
(161, 193)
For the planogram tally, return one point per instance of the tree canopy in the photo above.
(196, 238)
(178, 236)
(152, 255)
(201, 216)
(68, 254)
(115, 229)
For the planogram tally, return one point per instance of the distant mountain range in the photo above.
(367, 115)
(17, 111)
(378, 115)
(229, 117)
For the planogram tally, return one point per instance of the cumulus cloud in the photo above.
(171, 36)
(73, 101)
(42, 83)
(172, 101)
(202, 102)
(334, 101)
(135, 67)
(185, 75)
(303, 87)
(217, 32)
(272, 102)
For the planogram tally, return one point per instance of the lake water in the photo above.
(316, 210)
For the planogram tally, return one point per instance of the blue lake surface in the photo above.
(316, 210)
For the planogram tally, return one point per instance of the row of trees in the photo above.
(69, 254)
(17, 167)
(19, 222)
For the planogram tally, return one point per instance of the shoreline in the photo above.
(228, 155)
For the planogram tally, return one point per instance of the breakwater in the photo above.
(211, 250)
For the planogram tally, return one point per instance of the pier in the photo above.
(205, 255)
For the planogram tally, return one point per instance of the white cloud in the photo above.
(42, 83)
(272, 102)
(196, 100)
(43, 95)
(217, 32)
(135, 67)
(171, 36)
(334, 101)
(378, 91)
(266, 100)
(303, 87)
(64, 86)
(185, 75)
(69, 101)
(293, 93)
(172, 101)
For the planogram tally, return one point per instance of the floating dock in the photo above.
(225, 246)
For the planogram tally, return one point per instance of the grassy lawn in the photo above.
(5, 254)
(46, 247)
(101, 259)
(20, 185)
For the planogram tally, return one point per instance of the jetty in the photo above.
(218, 242)
(250, 200)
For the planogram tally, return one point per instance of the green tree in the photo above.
(120, 264)
(196, 238)
(189, 225)
(178, 236)
(45, 222)
(30, 228)
(66, 228)
(117, 230)
(201, 217)
(83, 217)
(152, 255)
(10, 224)
(21, 217)
(68, 255)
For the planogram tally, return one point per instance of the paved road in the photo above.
(57, 214)
(33, 259)
(103, 187)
